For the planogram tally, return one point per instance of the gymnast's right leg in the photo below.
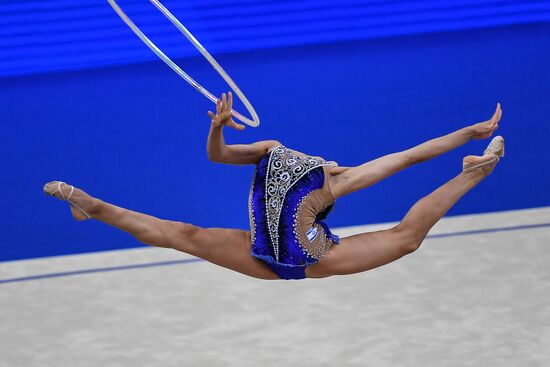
(367, 251)
(229, 248)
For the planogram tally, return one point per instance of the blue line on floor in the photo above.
(99, 270)
(186, 261)
(489, 230)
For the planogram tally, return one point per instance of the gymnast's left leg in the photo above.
(367, 251)
(229, 248)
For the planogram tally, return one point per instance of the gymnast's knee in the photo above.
(181, 236)
(409, 240)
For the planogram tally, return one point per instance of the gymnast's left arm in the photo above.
(218, 151)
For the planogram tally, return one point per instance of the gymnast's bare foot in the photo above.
(82, 204)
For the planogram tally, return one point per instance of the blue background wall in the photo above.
(50, 35)
(135, 135)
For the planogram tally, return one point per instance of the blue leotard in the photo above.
(288, 201)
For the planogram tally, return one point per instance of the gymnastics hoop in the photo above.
(255, 122)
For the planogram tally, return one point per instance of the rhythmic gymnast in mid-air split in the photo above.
(291, 194)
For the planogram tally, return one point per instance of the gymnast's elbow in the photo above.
(214, 157)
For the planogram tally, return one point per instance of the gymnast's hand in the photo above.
(485, 129)
(223, 113)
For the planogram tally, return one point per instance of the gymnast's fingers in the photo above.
(230, 101)
(496, 115)
(218, 106)
(211, 114)
(236, 126)
(224, 103)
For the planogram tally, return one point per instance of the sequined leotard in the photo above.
(289, 199)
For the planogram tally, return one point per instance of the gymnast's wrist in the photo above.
(216, 125)
(467, 132)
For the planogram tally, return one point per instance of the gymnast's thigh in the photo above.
(360, 253)
(229, 248)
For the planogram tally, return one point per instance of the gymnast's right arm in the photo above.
(218, 151)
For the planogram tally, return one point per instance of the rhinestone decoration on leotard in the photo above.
(284, 170)
(251, 211)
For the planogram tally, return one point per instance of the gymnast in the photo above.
(290, 196)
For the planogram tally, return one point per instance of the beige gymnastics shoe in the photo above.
(491, 156)
(60, 190)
